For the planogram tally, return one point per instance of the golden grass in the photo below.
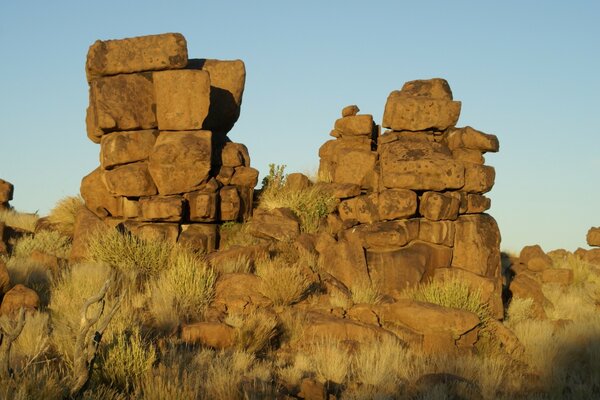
(19, 220)
(33, 344)
(364, 291)
(255, 330)
(49, 242)
(62, 216)
(31, 274)
(283, 284)
(168, 383)
(235, 234)
(331, 360)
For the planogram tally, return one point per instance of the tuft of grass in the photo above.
(62, 216)
(134, 257)
(365, 291)
(49, 242)
(185, 289)
(33, 344)
(310, 204)
(42, 381)
(235, 234)
(167, 383)
(519, 310)
(32, 275)
(240, 264)
(283, 284)
(126, 360)
(330, 360)
(255, 330)
(375, 364)
(18, 220)
(583, 271)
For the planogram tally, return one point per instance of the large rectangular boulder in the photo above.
(477, 245)
(142, 53)
(126, 147)
(410, 113)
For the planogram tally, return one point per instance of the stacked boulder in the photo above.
(167, 168)
(412, 199)
(6, 195)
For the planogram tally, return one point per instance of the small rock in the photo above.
(17, 297)
(211, 334)
(593, 236)
(349, 111)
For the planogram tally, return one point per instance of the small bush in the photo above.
(235, 265)
(283, 284)
(22, 221)
(365, 291)
(126, 360)
(310, 204)
(168, 383)
(519, 310)
(235, 234)
(330, 360)
(132, 256)
(31, 274)
(62, 216)
(375, 364)
(49, 242)
(33, 343)
(255, 331)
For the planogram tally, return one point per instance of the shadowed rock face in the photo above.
(167, 166)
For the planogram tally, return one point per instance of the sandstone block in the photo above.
(525, 287)
(199, 237)
(535, 258)
(477, 245)
(321, 326)
(86, 223)
(203, 206)
(395, 270)
(131, 180)
(469, 138)
(227, 80)
(19, 297)
(593, 236)
(349, 111)
(412, 149)
(355, 125)
(126, 147)
(397, 204)
(436, 88)
(235, 155)
(364, 209)
(97, 197)
(471, 203)
(437, 232)
(245, 176)
(278, 224)
(478, 178)
(238, 290)
(384, 235)
(158, 208)
(216, 335)
(180, 161)
(130, 209)
(6, 191)
(562, 276)
(345, 261)
(437, 206)
(122, 103)
(167, 232)
(182, 99)
(341, 190)
(142, 53)
(435, 174)
(230, 203)
(297, 182)
(355, 167)
(468, 155)
(418, 113)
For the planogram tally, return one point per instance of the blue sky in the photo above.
(527, 71)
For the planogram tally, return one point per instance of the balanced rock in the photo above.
(535, 258)
(6, 193)
(351, 110)
(593, 237)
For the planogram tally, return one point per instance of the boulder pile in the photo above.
(167, 168)
(412, 205)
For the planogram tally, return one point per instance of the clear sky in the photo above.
(526, 71)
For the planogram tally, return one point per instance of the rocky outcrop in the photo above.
(413, 196)
(6, 194)
(167, 168)
(593, 237)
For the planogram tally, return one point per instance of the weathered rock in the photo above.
(6, 191)
(437, 206)
(130, 209)
(235, 155)
(490, 289)
(210, 334)
(122, 103)
(477, 245)
(355, 125)
(364, 209)
(341, 190)
(349, 111)
(395, 270)
(524, 287)
(405, 111)
(224, 176)
(474, 203)
(126, 147)
(159, 208)
(356, 167)
(278, 224)
(434, 174)
(297, 182)
(389, 235)
(4, 279)
(238, 290)
(143, 53)
(19, 297)
(478, 178)
(199, 237)
(245, 176)
(535, 258)
(593, 236)
(320, 327)
(203, 206)
(311, 389)
(562, 276)
(472, 139)
(345, 261)
(230, 203)
(97, 197)
(180, 161)
(435, 88)
(227, 80)
(396, 204)
(468, 155)
(131, 180)
(438, 232)
(182, 99)
(86, 224)
(167, 232)
(220, 259)
(3, 244)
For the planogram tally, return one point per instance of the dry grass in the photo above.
(41, 381)
(22, 221)
(330, 360)
(519, 310)
(255, 330)
(31, 274)
(376, 364)
(240, 264)
(49, 242)
(310, 204)
(235, 234)
(135, 258)
(365, 291)
(283, 284)
(168, 383)
(33, 344)
(62, 216)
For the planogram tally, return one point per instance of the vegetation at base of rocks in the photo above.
(18, 220)
(49, 242)
(255, 330)
(309, 204)
(62, 216)
(365, 292)
(284, 284)
(235, 234)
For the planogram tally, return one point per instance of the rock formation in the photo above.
(167, 168)
(6, 194)
(412, 199)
